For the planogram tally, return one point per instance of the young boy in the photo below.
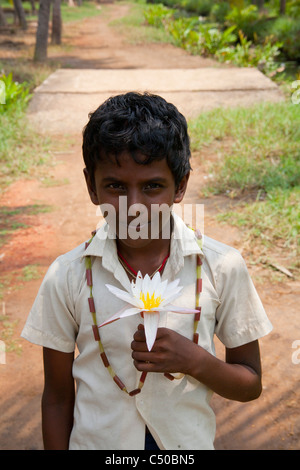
(136, 149)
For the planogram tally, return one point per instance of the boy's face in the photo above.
(135, 192)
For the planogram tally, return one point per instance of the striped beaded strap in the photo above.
(198, 287)
(117, 380)
(197, 307)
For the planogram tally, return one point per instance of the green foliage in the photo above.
(14, 94)
(22, 150)
(274, 219)
(183, 33)
(246, 54)
(156, 15)
(200, 7)
(219, 12)
(256, 155)
(285, 30)
(12, 219)
(212, 39)
(189, 32)
(86, 10)
(243, 18)
(265, 154)
(293, 8)
(264, 40)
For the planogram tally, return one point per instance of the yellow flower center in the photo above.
(150, 302)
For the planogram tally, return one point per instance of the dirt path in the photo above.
(272, 422)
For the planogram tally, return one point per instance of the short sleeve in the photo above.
(240, 317)
(51, 320)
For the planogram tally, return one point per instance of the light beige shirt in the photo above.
(177, 412)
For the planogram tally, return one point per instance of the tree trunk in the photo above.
(41, 43)
(56, 22)
(282, 7)
(260, 4)
(2, 18)
(33, 10)
(20, 13)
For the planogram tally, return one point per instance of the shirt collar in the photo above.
(183, 243)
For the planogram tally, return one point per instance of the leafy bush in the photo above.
(268, 38)
(14, 94)
(244, 19)
(157, 14)
(245, 54)
(285, 30)
(219, 12)
(199, 38)
(293, 8)
(200, 7)
(212, 39)
(183, 33)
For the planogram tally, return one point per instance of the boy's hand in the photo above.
(239, 378)
(170, 353)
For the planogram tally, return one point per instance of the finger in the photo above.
(140, 346)
(144, 366)
(141, 356)
(139, 335)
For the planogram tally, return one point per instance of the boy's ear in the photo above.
(90, 187)
(181, 189)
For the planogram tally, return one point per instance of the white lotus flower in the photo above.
(149, 296)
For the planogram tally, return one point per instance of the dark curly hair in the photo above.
(145, 125)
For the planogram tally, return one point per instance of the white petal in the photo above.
(125, 312)
(121, 294)
(146, 285)
(173, 285)
(139, 281)
(173, 308)
(168, 289)
(151, 324)
(170, 296)
(162, 288)
(156, 284)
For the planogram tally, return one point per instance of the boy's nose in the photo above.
(134, 196)
(135, 205)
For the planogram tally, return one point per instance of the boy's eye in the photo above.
(152, 186)
(115, 186)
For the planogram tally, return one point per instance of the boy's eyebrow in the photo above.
(158, 179)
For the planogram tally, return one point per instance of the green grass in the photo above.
(12, 219)
(274, 220)
(257, 157)
(86, 10)
(134, 26)
(7, 335)
(265, 150)
(22, 150)
(29, 273)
